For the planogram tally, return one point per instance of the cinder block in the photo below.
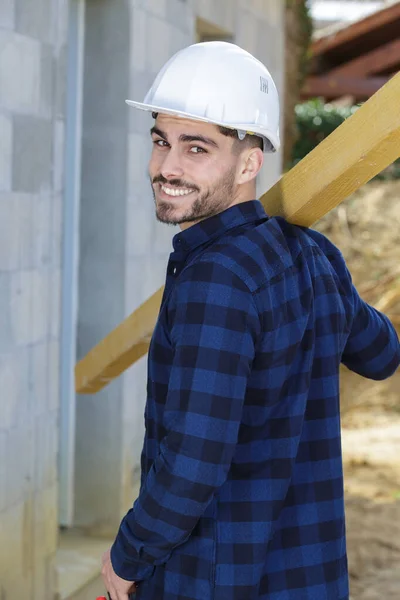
(204, 8)
(58, 155)
(45, 525)
(181, 39)
(224, 14)
(138, 39)
(6, 328)
(61, 82)
(9, 231)
(245, 37)
(144, 276)
(40, 304)
(55, 303)
(54, 375)
(38, 377)
(16, 550)
(19, 587)
(26, 204)
(56, 232)
(42, 229)
(19, 72)
(180, 15)
(29, 292)
(140, 228)
(61, 23)
(44, 584)
(139, 149)
(3, 461)
(46, 450)
(45, 536)
(32, 154)
(21, 302)
(7, 14)
(158, 42)
(47, 74)
(10, 386)
(20, 463)
(275, 10)
(29, 228)
(157, 7)
(162, 237)
(139, 283)
(34, 19)
(258, 6)
(5, 153)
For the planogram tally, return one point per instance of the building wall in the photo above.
(123, 249)
(32, 50)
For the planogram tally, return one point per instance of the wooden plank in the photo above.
(371, 23)
(386, 58)
(331, 87)
(359, 149)
(365, 144)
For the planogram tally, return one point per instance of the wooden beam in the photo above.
(363, 146)
(331, 87)
(386, 59)
(379, 19)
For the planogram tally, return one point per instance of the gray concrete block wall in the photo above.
(31, 159)
(124, 250)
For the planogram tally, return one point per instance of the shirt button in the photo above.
(174, 270)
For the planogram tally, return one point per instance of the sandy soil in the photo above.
(371, 449)
(367, 230)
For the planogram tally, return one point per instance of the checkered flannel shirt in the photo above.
(242, 484)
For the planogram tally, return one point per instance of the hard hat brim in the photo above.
(186, 115)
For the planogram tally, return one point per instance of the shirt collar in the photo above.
(214, 227)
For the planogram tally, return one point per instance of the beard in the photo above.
(207, 204)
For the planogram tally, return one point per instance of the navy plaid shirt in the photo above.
(242, 485)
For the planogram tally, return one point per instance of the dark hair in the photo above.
(250, 141)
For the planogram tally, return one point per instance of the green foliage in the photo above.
(315, 120)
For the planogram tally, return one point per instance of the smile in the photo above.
(175, 192)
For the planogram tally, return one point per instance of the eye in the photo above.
(197, 150)
(160, 143)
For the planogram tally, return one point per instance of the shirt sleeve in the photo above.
(372, 349)
(214, 328)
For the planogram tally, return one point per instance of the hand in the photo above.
(118, 589)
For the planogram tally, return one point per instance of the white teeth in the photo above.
(174, 192)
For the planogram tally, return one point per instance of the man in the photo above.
(242, 485)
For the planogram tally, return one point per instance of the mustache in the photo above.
(179, 183)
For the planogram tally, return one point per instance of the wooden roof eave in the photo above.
(348, 33)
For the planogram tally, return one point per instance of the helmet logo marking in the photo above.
(264, 85)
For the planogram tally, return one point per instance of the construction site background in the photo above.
(366, 227)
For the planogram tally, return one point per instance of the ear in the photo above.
(250, 165)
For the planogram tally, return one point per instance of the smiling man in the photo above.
(241, 493)
(199, 170)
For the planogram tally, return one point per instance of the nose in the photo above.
(171, 167)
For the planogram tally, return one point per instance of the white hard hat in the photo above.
(220, 83)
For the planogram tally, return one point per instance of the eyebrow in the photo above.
(186, 137)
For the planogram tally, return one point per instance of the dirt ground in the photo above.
(367, 230)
